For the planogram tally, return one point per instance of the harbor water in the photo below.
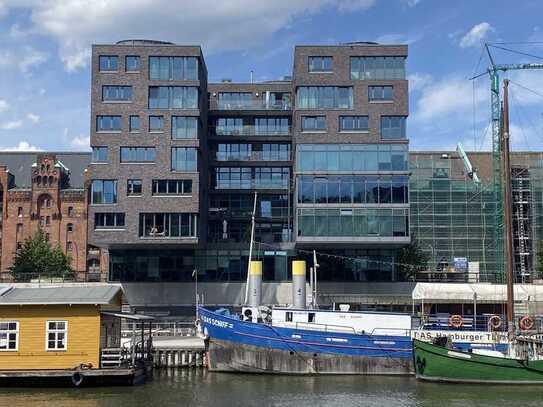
(195, 387)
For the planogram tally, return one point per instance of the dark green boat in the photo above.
(439, 363)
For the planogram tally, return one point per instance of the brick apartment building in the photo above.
(44, 190)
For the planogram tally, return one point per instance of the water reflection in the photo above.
(200, 388)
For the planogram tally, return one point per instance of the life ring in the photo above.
(77, 379)
(456, 321)
(526, 323)
(495, 322)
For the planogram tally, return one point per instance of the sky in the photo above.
(45, 55)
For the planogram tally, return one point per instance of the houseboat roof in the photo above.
(82, 295)
(480, 292)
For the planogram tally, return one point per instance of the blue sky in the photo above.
(45, 49)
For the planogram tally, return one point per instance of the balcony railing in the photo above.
(252, 156)
(252, 184)
(254, 105)
(250, 130)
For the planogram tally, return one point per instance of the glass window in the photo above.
(184, 127)
(393, 127)
(108, 63)
(184, 159)
(108, 123)
(353, 123)
(236, 100)
(320, 64)
(173, 68)
(173, 97)
(168, 225)
(132, 63)
(99, 154)
(380, 93)
(56, 335)
(116, 93)
(324, 97)
(138, 154)
(272, 126)
(134, 123)
(231, 126)
(156, 123)
(372, 68)
(134, 187)
(172, 187)
(109, 220)
(312, 123)
(9, 336)
(104, 191)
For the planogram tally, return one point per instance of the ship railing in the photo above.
(391, 331)
(323, 327)
(441, 322)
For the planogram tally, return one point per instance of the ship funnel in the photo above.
(255, 283)
(298, 284)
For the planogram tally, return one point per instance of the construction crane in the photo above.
(493, 71)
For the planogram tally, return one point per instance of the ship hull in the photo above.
(227, 356)
(238, 346)
(439, 364)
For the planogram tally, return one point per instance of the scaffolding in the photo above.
(454, 217)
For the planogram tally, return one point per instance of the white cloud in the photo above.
(3, 105)
(31, 58)
(448, 98)
(418, 81)
(33, 117)
(396, 38)
(22, 146)
(80, 142)
(411, 3)
(217, 25)
(474, 36)
(11, 125)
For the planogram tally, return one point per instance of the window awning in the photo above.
(480, 292)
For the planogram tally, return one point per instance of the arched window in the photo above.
(69, 227)
(51, 180)
(38, 180)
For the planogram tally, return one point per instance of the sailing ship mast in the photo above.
(250, 250)
(507, 213)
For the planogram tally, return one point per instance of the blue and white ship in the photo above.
(301, 340)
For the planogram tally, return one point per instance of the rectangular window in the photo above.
(353, 123)
(116, 93)
(173, 68)
(184, 159)
(132, 63)
(108, 63)
(108, 123)
(272, 126)
(231, 126)
(320, 64)
(168, 225)
(233, 152)
(173, 97)
(172, 186)
(236, 100)
(99, 154)
(393, 127)
(313, 123)
(184, 127)
(324, 97)
(134, 187)
(156, 123)
(57, 335)
(109, 220)
(134, 123)
(374, 68)
(380, 93)
(104, 191)
(138, 154)
(9, 336)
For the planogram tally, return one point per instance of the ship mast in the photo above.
(507, 213)
(250, 249)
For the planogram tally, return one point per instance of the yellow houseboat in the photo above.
(68, 335)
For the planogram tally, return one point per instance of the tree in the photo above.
(37, 258)
(411, 259)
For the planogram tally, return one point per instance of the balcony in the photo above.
(278, 105)
(250, 130)
(253, 156)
